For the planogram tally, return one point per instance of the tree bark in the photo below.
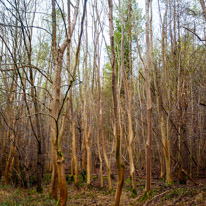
(120, 166)
(149, 102)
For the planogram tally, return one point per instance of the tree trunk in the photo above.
(58, 173)
(100, 109)
(149, 103)
(120, 166)
(86, 133)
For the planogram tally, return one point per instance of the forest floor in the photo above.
(161, 194)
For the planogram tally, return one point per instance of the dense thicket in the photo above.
(83, 84)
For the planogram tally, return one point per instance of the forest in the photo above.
(102, 102)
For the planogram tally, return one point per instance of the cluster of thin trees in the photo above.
(96, 87)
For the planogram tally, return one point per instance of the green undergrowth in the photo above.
(180, 192)
(81, 194)
(145, 196)
(10, 196)
(47, 178)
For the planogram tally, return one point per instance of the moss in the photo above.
(89, 186)
(163, 178)
(79, 184)
(144, 197)
(122, 165)
(134, 193)
(169, 183)
(171, 194)
(60, 154)
(16, 192)
(108, 192)
(142, 187)
(84, 173)
(31, 192)
(7, 203)
(128, 180)
(57, 202)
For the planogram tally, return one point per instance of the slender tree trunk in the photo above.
(8, 162)
(85, 114)
(128, 80)
(57, 132)
(74, 152)
(200, 143)
(120, 166)
(149, 102)
(74, 156)
(97, 49)
(165, 139)
(100, 161)
(128, 99)
(202, 2)
(54, 178)
(58, 173)
(102, 133)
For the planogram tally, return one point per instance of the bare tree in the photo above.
(120, 166)
(149, 101)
